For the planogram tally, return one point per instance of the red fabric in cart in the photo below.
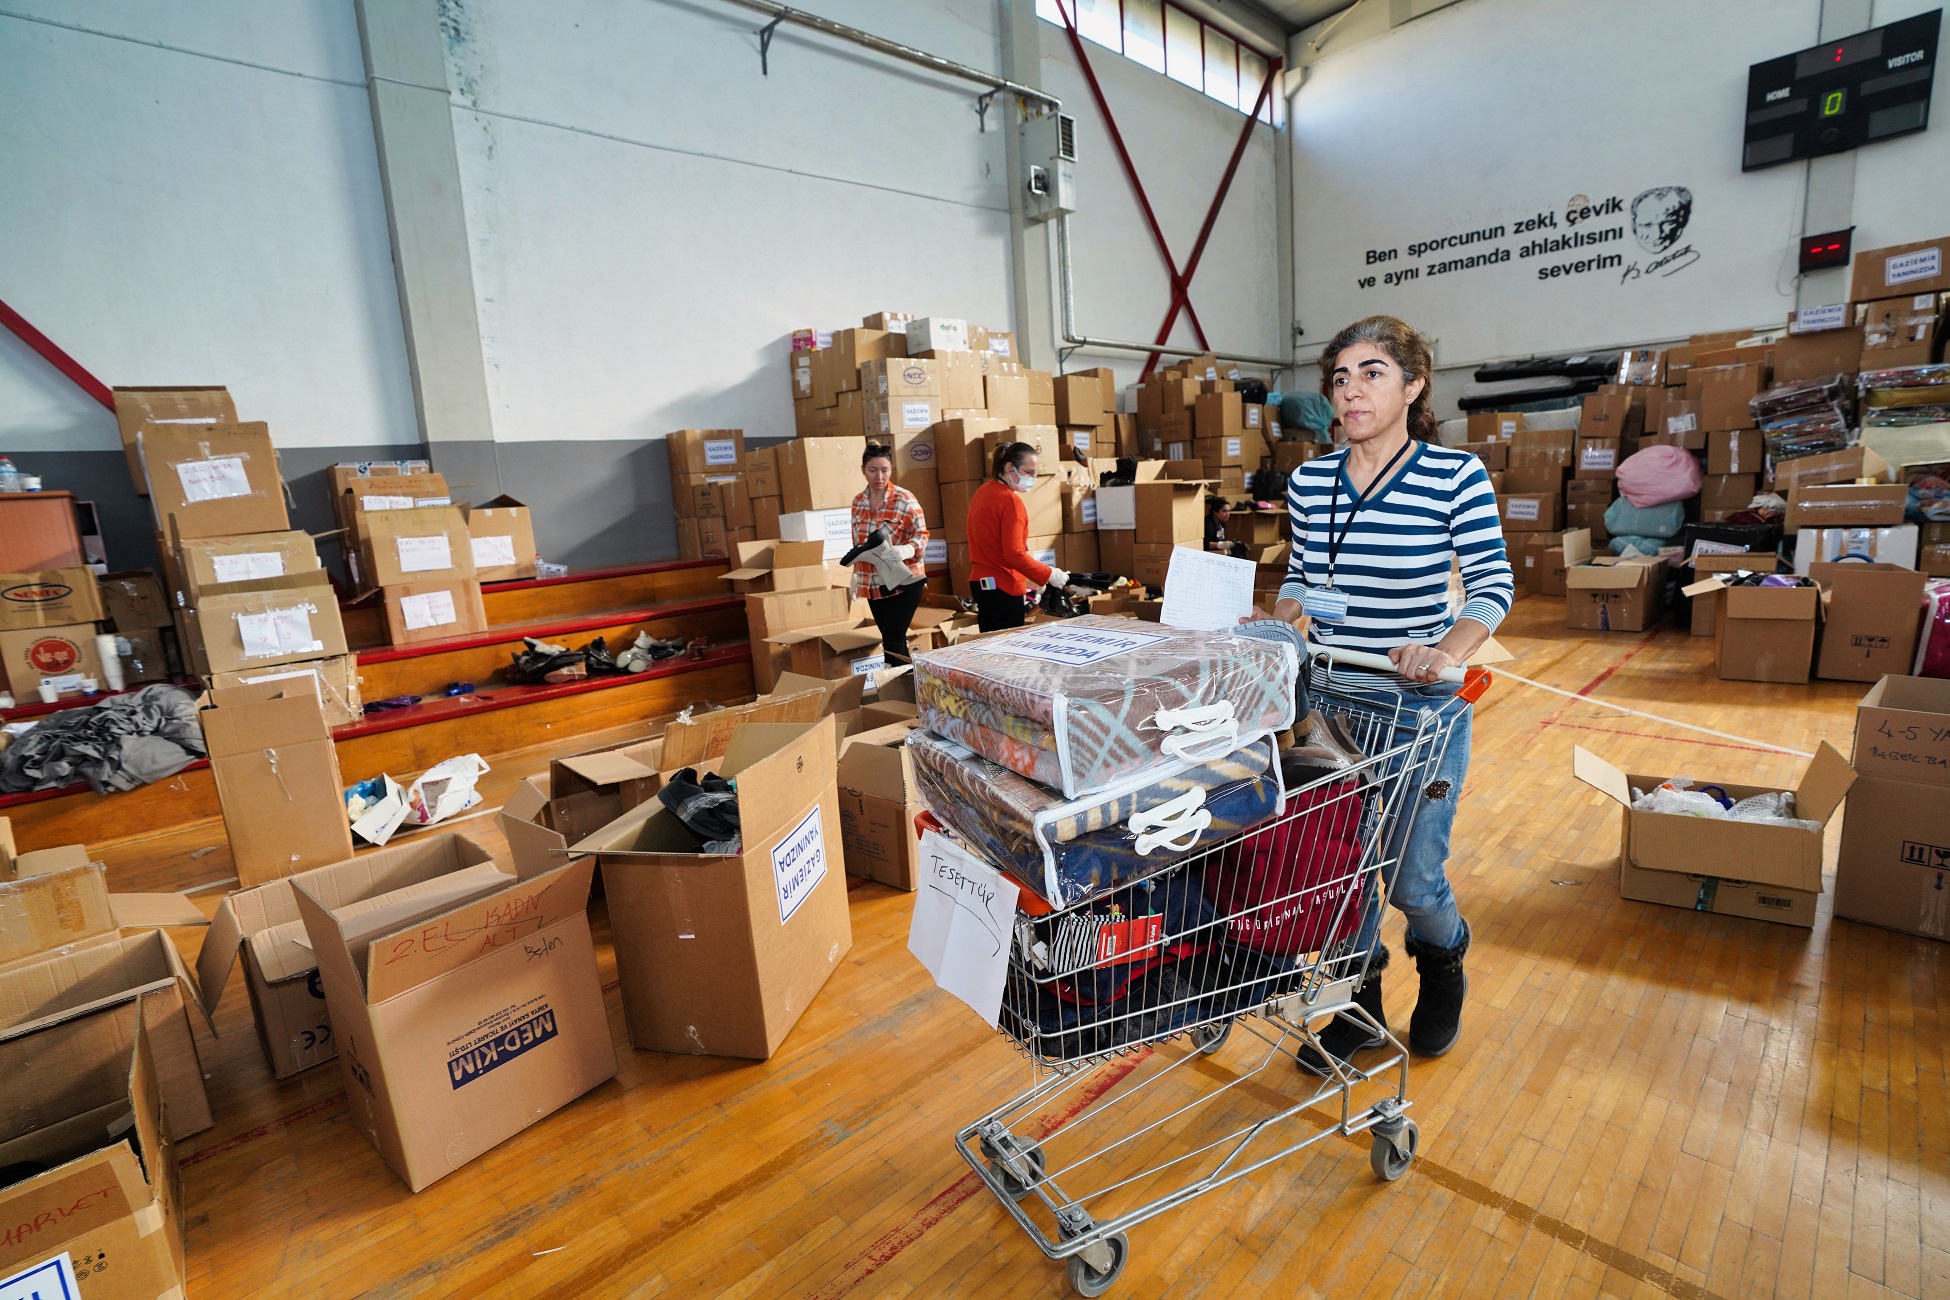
(1291, 889)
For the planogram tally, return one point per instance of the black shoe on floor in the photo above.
(1437, 1021)
(1345, 1036)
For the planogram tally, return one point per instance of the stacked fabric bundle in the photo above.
(1905, 396)
(1808, 417)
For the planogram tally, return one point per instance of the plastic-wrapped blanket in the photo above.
(1087, 704)
(1069, 850)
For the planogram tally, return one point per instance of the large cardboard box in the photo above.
(1844, 466)
(266, 621)
(1767, 634)
(777, 565)
(1544, 480)
(720, 954)
(1725, 394)
(1894, 866)
(461, 1024)
(85, 1110)
(358, 490)
(277, 776)
(1718, 895)
(1870, 617)
(1721, 495)
(1922, 267)
(84, 978)
(1734, 451)
(214, 561)
(1785, 856)
(878, 804)
(1494, 426)
(704, 451)
(336, 681)
(1818, 354)
(776, 613)
(1846, 505)
(52, 598)
(433, 610)
(56, 899)
(426, 545)
(1598, 457)
(820, 473)
(136, 407)
(133, 602)
(1167, 512)
(1902, 731)
(62, 657)
(1627, 596)
(834, 651)
(502, 538)
(891, 419)
(1531, 512)
(213, 480)
(960, 449)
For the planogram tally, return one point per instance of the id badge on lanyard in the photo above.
(1324, 604)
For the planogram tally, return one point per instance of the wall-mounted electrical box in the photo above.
(1049, 159)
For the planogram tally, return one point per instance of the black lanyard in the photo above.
(1334, 542)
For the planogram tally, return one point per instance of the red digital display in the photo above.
(1825, 250)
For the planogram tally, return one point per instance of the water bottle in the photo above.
(9, 476)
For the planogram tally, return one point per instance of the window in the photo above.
(1167, 39)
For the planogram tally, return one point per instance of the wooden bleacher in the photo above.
(681, 599)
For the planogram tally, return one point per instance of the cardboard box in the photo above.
(277, 777)
(1720, 896)
(1535, 447)
(1896, 330)
(1844, 466)
(1006, 395)
(1531, 512)
(1598, 457)
(1218, 454)
(434, 611)
(357, 493)
(1894, 866)
(132, 602)
(833, 529)
(1870, 618)
(1921, 267)
(895, 380)
(1723, 494)
(84, 1108)
(702, 451)
(846, 418)
(1079, 553)
(1535, 480)
(777, 565)
(52, 598)
(461, 1024)
(762, 471)
(1818, 354)
(1044, 438)
(1626, 596)
(1116, 552)
(1590, 491)
(1902, 731)
(213, 561)
(834, 651)
(1734, 451)
(891, 419)
(1494, 455)
(85, 978)
(1080, 400)
(1845, 505)
(1767, 634)
(936, 334)
(1167, 512)
(63, 657)
(137, 407)
(878, 802)
(1494, 426)
(1725, 394)
(502, 539)
(336, 681)
(1785, 856)
(1895, 546)
(414, 546)
(213, 480)
(55, 902)
(820, 473)
(720, 954)
(961, 449)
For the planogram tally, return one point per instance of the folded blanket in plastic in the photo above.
(1087, 704)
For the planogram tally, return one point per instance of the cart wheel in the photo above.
(1392, 1154)
(1014, 1188)
(1085, 1280)
(1210, 1038)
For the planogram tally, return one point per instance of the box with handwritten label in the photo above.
(463, 995)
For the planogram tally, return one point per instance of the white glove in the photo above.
(1057, 577)
(905, 550)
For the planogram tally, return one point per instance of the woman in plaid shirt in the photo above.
(893, 509)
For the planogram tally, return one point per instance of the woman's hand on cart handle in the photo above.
(1379, 663)
(1426, 663)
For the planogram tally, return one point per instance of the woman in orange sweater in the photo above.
(1000, 568)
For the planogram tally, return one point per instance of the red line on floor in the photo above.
(249, 1136)
(1626, 658)
(1646, 735)
(885, 1249)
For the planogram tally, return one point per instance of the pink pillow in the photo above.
(1658, 475)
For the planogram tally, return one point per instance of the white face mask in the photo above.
(1023, 483)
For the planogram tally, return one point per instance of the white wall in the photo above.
(190, 195)
(1492, 110)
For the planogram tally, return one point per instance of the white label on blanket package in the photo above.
(1075, 647)
(799, 864)
(213, 479)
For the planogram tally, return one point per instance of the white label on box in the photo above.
(1521, 508)
(720, 451)
(1598, 458)
(427, 503)
(868, 665)
(804, 377)
(1508, 428)
(387, 503)
(1076, 647)
(1923, 264)
(1923, 302)
(66, 682)
(916, 415)
(1682, 423)
(885, 425)
(494, 552)
(1232, 446)
(1252, 415)
(999, 345)
(278, 632)
(1834, 316)
(1178, 451)
(1080, 439)
(799, 864)
(51, 1279)
(937, 552)
(1090, 510)
(213, 479)
(1044, 557)
(429, 609)
(424, 554)
(1705, 547)
(1211, 372)
(250, 565)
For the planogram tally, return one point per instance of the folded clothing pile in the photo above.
(1070, 849)
(1093, 702)
(117, 743)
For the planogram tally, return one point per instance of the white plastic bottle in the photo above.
(9, 476)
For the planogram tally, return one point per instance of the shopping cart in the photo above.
(1121, 1006)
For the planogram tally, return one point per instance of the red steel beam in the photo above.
(55, 357)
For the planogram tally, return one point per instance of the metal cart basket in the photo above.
(1118, 1003)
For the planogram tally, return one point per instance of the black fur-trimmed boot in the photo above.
(1437, 1021)
(1343, 1036)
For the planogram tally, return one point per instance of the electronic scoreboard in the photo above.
(1872, 86)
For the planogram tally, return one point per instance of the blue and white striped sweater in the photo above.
(1394, 565)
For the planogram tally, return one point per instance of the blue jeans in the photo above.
(1416, 855)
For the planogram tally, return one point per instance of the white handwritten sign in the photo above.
(964, 922)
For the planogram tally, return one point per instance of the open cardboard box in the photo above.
(83, 1103)
(879, 801)
(778, 566)
(64, 906)
(1763, 634)
(1605, 595)
(1871, 616)
(720, 954)
(1784, 857)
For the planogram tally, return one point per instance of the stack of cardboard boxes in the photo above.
(709, 492)
(1086, 416)
(788, 587)
(1899, 296)
(48, 628)
(1194, 411)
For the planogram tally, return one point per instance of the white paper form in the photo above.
(1205, 592)
(494, 552)
(429, 609)
(247, 567)
(964, 922)
(425, 554)
(213, 479)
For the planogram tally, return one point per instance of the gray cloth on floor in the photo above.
(115, 744)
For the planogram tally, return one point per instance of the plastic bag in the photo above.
(1623, 519)
(1624, 546)
(1678, 797)
(1658, 475)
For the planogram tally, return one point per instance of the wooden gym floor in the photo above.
(1646, 1102)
